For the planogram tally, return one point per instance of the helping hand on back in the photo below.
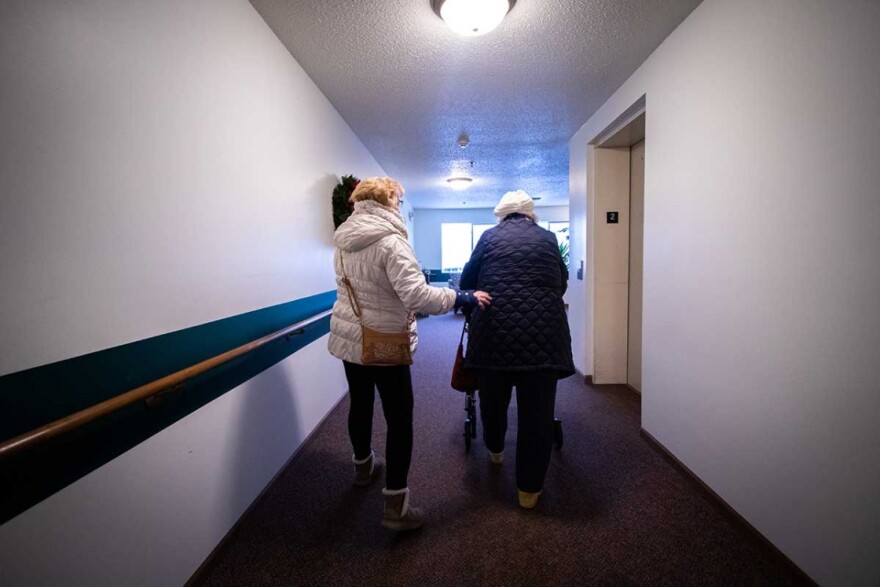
(483, 299)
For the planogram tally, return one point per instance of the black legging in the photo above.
(535, 399)
(395, 391)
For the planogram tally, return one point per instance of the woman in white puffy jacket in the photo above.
(373, 252)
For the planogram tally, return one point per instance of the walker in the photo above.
(470, 423)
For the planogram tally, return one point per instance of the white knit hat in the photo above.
(515, 202)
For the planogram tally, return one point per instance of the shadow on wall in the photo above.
(317, 203)
(268, 432)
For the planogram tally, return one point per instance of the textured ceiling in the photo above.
(408, 86)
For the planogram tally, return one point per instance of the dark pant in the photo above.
(395, 391)
(535, 398)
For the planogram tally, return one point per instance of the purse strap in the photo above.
(356, 308)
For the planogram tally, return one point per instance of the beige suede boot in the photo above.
(398, 513)
(528, 500)
(367, 470)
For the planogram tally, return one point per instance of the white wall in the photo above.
(428, 221)
(761, 280)
(163, 164)
(580, 308)
(409, 216)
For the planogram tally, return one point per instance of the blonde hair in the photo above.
(379, 189)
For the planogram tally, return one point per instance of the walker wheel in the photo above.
(470, 407)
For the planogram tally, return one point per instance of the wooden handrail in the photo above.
(144, 392)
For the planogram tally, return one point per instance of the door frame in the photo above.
(608, 190)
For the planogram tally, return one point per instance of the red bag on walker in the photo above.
(462, 379)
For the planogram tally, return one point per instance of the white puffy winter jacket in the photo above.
(378, 260)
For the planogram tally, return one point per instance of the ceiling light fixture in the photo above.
(459, 183)
(472, 18)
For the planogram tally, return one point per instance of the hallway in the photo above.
(614, 511)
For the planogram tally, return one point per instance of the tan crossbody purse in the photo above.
(380, 348)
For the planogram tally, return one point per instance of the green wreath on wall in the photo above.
(342, 206)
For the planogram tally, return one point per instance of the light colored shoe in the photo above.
(528, 500)
(399, 515)
(367, 470)
(496, 457)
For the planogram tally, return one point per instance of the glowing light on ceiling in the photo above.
(459, 183)
(472, 18)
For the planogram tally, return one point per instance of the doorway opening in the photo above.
(616, 223)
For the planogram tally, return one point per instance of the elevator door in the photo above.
(636, 244)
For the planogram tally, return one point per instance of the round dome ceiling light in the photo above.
(459, 183)
(472, 18)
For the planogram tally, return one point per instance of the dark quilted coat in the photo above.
(526, 327)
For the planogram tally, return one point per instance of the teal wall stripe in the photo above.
(31, 398)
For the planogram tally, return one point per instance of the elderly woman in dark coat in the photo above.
(522, 340)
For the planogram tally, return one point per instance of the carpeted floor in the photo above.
(614, 511)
